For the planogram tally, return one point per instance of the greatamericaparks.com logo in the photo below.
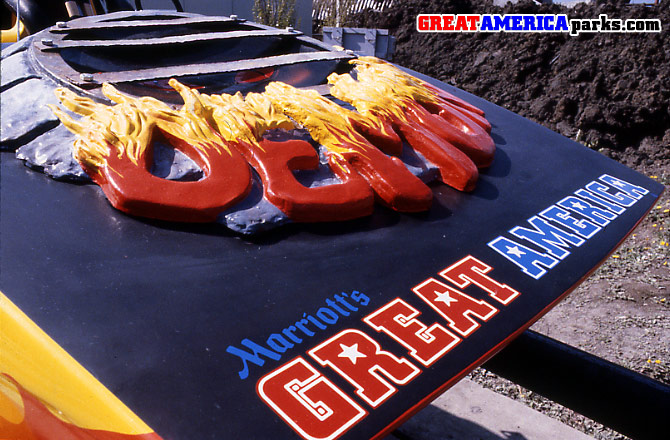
(532, 23)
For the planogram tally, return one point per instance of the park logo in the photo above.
(532, 23)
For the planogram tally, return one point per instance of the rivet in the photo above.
(61, 24)
(233, 17)
(47, 42)
(88, 77)
(289, 29)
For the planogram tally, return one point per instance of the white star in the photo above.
(578, 205)
(515, 251)
(445, 298)
(351, 352)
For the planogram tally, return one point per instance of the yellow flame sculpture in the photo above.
(327, 122)
(129, 125)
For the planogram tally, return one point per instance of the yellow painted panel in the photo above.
(43, 368)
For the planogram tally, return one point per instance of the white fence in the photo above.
(334, 11)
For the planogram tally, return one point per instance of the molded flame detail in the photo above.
(39, 422)
(224, 133)
(115, 147)
(45, 394)
(349, 152)
(446, 130)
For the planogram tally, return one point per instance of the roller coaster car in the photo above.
(406, 231)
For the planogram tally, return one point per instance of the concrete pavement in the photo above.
(467, 411)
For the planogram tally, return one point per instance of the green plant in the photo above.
(279, 13)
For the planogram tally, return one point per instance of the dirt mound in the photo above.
(608, 91)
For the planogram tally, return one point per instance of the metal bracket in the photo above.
(203, 69)
(50, 45)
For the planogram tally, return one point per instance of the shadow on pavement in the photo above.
(434, 424)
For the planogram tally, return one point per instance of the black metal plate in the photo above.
(150, 308)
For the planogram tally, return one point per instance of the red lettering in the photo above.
(361, 361)
(130, 187)
(435, 23)
(275, 163)
(461, 24)
(422, 23)
(311, 404)
(456, 307)
(448, 22)
(397, 319)
(472, 271)
(473, 21)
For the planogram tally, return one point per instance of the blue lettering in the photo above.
(529, 23)
(584, 194)
(597, 215)
(290, 332)
(562, 23)
(567, 223)
(548, 237)
(528, 260)
(279, 343)
(487, 24)
(254, 357)
(287, 339)
(548, 21)
(360, 298)
(500, 22)
(634, 191)
(326, 315)
(601, 190)
(582, 227)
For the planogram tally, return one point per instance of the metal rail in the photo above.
(129, 24)
(621, 399)
(203, 69)
(172, 40)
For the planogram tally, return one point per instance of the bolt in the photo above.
(47, 42)
(88, 77)
(289, 29)
(61, 24)
(233, 17)
(349, 51)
